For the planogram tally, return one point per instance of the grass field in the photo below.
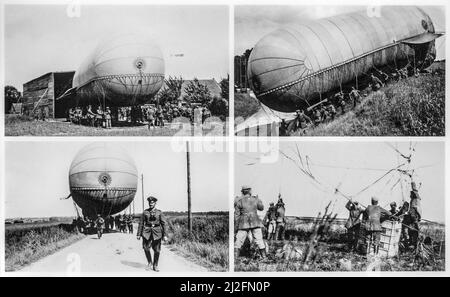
(22, 126)
(414, 106)
(208, 243)
(411, 107)
(27, 243)
(331, 253)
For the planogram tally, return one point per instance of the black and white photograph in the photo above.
(339, 70)
(221, 148)
(129, 208)
(99, 70)
(341, 206)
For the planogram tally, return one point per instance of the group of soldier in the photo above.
(86, 116)
(365, 223)
(249, 225)
(122, 223)
(153, 116)
(369, 228)
(327, 110)
(156, 116)
(151, 228)
(275, 221)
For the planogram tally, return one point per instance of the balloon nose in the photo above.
(277, 59)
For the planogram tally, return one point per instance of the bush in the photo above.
(26, 245)
(418, 106)
(244, 105)
(208, 242)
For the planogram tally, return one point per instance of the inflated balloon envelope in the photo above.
(292, 67)
(124, 70)
(103, 179)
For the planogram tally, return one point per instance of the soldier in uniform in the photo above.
(323, 113)
(71, 115)
(151, 118)
(283, 128)
(121, 223)
(281, 219)
(247, 220)
(152, 229)
(353, 224)
(331, 111)
(355, 96)
(108, 118)
(375, 82)
(100, 225)
(160, 117)
(111, 222)
(117, 222)
(270, 220)
(90, 116)
(393, 209)
(317, 116)
(415, 214)
(340, 101)
(372, 218)
(129, 222)
(301, 121)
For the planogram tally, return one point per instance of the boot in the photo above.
(148, 255)
(263, 254)
(155, 263)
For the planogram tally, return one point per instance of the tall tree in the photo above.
(224, 88)
(197, 92)
(12, 95)
(171, 91)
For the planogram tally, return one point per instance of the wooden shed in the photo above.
(40, 93)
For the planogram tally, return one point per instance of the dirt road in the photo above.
(113, 253)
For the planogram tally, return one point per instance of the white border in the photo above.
(231, 139)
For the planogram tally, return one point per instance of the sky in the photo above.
(43, 38)
(253, 22)
(339, 164)
(36, 177)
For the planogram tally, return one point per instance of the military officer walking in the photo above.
(152, 229)
(247, 220)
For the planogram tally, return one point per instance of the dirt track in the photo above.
(113, 253)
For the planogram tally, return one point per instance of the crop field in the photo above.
(303, 250)
(23, 126)
(27, 243)
(208, 243)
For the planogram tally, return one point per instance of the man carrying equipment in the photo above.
(372, 218)
(353, 223)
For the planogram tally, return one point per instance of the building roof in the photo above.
(49, 73)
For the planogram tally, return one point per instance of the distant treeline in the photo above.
(184, 213)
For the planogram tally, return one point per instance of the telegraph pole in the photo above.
(188, 160)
